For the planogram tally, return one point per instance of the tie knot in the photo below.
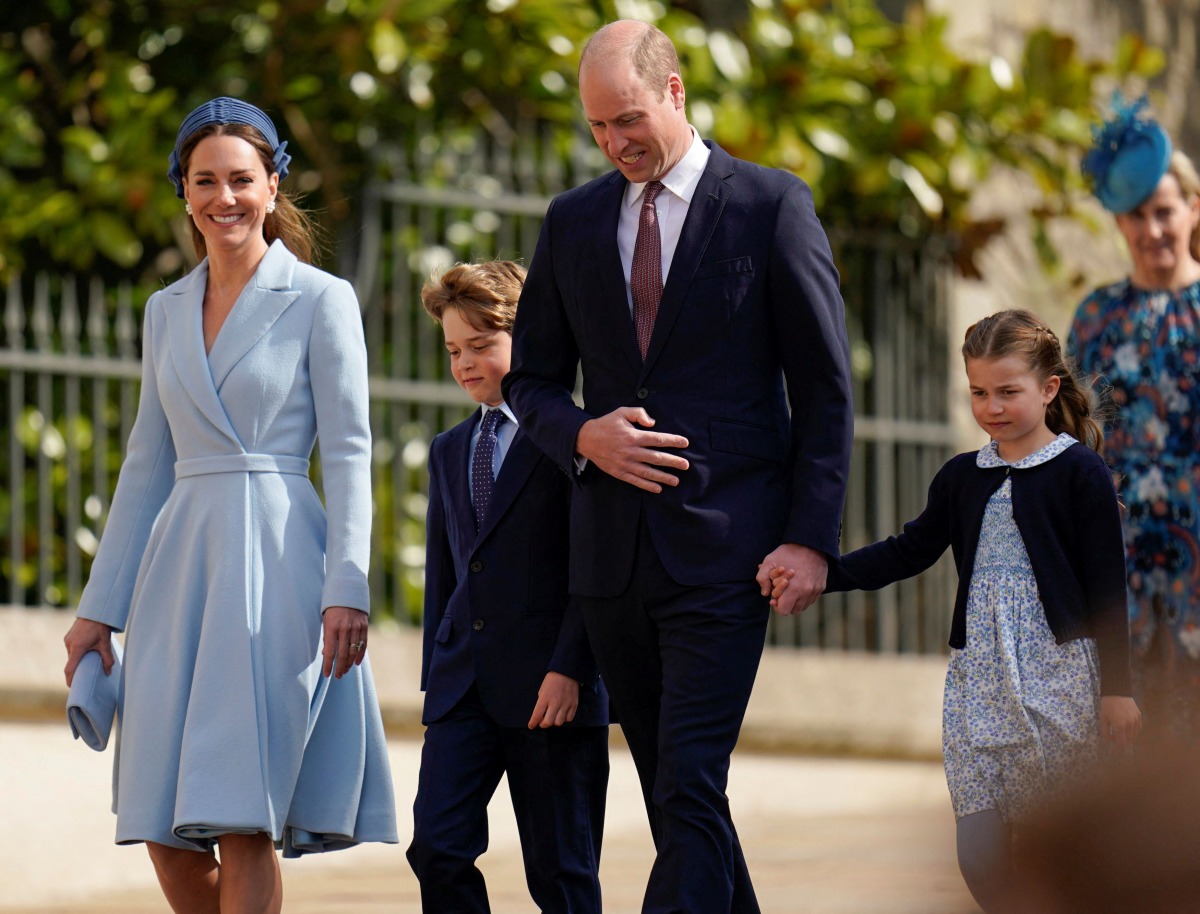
(651, 192)
(492, 420)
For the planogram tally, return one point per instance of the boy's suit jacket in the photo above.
(497, 612)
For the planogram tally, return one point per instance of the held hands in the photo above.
(345, 639)
(617, 445)
(558, 699)
(1120, 720)
(83, 636)
(793, 576)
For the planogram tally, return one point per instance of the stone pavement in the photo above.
(826, 830)
(823, 836)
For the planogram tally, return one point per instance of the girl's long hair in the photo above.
(1024, 334)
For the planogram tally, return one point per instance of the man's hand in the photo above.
(558, 699)
(618, 447)
(793, 576)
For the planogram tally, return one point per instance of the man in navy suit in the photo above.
(510, 684)
(699, 296)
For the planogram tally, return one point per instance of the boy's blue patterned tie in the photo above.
(483, 481)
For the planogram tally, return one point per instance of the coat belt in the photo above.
(241, 463)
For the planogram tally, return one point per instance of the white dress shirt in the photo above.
(672, 209)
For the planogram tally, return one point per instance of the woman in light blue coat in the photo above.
(248, 718)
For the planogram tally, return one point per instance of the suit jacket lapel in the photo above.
(519, 462)
(185, 331)
(264, 299)
(705, 210)
(458, 474)
(613, 295)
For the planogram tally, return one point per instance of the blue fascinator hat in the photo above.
(1130, 153)
(226, 111)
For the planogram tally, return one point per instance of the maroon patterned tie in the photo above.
(645, 276)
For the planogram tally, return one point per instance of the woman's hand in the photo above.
(345, 639)
(86, 635)
(1120, 720)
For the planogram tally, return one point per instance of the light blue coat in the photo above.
(218, 560)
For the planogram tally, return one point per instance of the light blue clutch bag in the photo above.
(92, 702)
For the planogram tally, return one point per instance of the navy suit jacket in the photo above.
(497, 611)
(751, 318)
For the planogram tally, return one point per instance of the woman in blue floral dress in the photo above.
(1139, 341)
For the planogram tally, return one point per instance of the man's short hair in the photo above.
(652, 53)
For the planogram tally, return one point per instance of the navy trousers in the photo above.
(679, 664)
(557, 778)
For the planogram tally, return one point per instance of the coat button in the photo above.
(478, 625)
(476, 565)
(642, 393)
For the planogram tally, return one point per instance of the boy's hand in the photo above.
(558, 699)
(1120, 720)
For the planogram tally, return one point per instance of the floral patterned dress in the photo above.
(1021, 713)
(1145, 346)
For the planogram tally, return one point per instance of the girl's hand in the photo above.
(1120, 720)
(778, 581)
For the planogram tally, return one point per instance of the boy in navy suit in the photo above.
(510, 684)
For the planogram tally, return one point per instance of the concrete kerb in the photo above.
(804, 701)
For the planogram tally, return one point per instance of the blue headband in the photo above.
(226, 111)
(1130, 154)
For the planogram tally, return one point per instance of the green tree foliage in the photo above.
(891, 126)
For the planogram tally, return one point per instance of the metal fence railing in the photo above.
(69, 365)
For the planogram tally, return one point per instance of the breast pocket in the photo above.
(723, 283)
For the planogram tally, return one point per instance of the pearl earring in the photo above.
(187, 208)
(270, 207)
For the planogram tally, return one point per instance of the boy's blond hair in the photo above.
(485, 294)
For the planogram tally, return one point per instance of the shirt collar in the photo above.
(681, 180)
(989, 454)
(503, 407)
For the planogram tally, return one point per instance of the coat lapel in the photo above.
(185, 333)
(705, 210)
(264, 299)
(519, 462)
(458, 475)
(607, 258)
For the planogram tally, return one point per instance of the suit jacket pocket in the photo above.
(443, 632)
(760, 441)
(715, 269)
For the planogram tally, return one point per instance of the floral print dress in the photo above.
(1142, 348)
(1021, 713)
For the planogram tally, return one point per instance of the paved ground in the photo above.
(823, 836)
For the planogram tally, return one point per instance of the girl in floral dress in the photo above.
(1039, 666)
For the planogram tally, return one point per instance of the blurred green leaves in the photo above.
(891, 126)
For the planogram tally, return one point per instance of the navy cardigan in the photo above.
(1067, 512)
